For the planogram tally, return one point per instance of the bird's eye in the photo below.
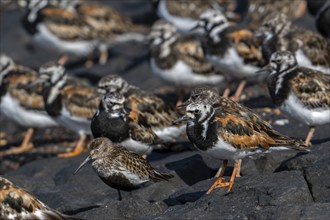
(196, 111)
(204, 106)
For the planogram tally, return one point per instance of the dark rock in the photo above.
(292, 211)
(318, 180)
(248, 196)
(191, 170)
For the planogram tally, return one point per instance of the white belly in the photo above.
(136, 146)
(169, 134)
(11, 108)
(181, 75)
(294, 108)
(76, 124)
(47, 39)
(183, 24)
(232, 62)
(305, 62)
(225, 151)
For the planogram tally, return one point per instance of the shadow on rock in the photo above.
(191, 170)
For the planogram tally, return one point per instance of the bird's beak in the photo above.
(83, 164)
(184, 104)
(266, 70)
(183, 118)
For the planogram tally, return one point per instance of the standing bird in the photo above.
(180, 60)
(230, 48)
(59, 28)
(158, 114)
(227, 130)
(68, 102)
(123, 126)
(16, 203)
(301, 92)
(184, 14)
(310, 48)
(80, 26)
(20, 103)
(120, 168)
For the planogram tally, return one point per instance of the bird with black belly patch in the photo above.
(122, 125)
(120, 168)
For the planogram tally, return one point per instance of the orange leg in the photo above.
(238, 173)
(309, 135)
(78, 148)
(63, 59)
(3, 139)
(104, 55)
(226, 92)
(219, 184)
(239, 91)
(180, 96)
(25, 146)
(222, 169)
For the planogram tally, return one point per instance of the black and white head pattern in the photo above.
(113, 102)
(112, 83)
(282, 63)
(6, 66)
(163, 34)
(213, 22)
(53, 73)
(279, 25)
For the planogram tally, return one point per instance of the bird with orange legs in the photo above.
(228, 131)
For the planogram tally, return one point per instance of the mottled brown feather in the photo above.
(312, 88)
(76, 100)
(243, 129)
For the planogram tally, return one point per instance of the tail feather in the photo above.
(157, 176)
(294, 144)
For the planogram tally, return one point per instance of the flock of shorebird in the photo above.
(207, 45)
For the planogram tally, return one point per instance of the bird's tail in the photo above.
(292, 143)
(157, 176)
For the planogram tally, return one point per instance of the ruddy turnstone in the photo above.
(230, 48)
(59, 28)
(68, 102)
(120, 168)
(112, 25)
(158, 114)
(259, 10)
(23, 105)
(226, 130)
(123, 126)
(81, 26)
(301, 92)
(180, 59)
(310, 49)
(184, 14)
(16, 203)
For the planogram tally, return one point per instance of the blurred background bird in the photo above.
(68, 103)
(21, 103)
